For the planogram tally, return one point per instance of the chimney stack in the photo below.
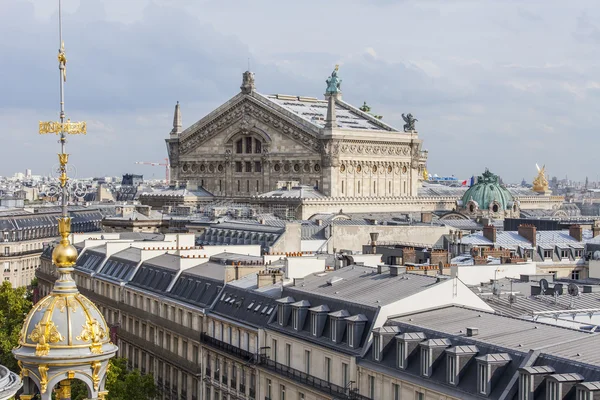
(489, 232)
(426, 217)
(529, 232)
(576, 232)
(595, 229)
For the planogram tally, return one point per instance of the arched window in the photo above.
(248, 145)
(257, 146)
(238, 146)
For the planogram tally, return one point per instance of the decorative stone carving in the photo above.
(245, 125)
(246, 109)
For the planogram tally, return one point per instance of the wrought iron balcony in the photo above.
(226, 347)
(323, 386)
(182, 330)
(22, 253)
(159, 352)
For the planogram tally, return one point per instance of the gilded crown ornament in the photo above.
(50, 354)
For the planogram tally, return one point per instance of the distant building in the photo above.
(132, 180)
(24, 235)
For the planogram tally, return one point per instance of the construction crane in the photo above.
(155, 164)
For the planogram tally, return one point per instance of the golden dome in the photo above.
(64, 255)
(65, 324)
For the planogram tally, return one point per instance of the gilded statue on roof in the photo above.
(540, 183)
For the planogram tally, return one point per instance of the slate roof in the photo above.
(90, 261)
(121, 265)
(194, 288)
(156, 274)
(357, 312)
(507, 341)
(246, 306)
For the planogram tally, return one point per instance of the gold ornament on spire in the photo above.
(62, 61)
(540, 182)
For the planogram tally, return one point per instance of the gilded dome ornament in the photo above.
(45, 333)
(95, 333)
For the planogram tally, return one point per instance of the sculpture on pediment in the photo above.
(248, 82)
(334, 82)
(410, 122)
(540, 183)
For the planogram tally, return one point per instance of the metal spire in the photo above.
(64, 255)
(63, 127)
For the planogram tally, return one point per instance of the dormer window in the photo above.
(452, 369)
(295, 318)
(457, 358)
(333, 328)
(554, 390)
(313, 324)
(482, 378)
(377, 347)
(425, 361)
(351, 334)
(584, 394)
(401, 354)
(280, 315)
(558, 385)
(525, 385)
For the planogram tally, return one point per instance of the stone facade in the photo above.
(253, 142)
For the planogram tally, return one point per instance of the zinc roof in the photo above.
(363, 285)
(315, 110)
(510, 333)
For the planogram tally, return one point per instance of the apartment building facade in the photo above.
(353, 333)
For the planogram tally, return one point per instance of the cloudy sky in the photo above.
(502, 84)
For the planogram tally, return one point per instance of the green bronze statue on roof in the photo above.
(334, 82)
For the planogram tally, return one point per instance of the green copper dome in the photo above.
(488, 193)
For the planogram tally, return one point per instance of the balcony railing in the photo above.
(316, 383)
(226, 347)
(182, 330)
(161, 353)
(21, 253)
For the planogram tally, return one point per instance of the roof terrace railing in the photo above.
(338, 392)
(226, 347)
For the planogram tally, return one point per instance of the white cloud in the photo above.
(487, 74)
